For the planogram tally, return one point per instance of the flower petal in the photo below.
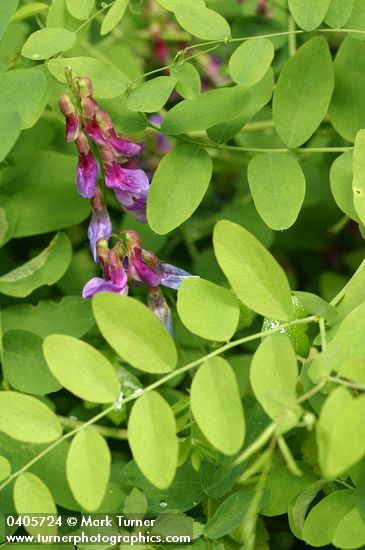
(158, 306)
(96, 284)
(87, 173)
(171, 276)
(100, 227)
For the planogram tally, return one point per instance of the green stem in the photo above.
(85, 23)
(346, 383)
(237, 149)
(156, 384)
(106, 431)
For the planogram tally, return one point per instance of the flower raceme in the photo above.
(87, 124)
(127, 263)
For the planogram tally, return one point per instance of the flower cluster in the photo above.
(126, 263)
(92, 130)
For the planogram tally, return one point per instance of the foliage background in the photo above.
(284, 131)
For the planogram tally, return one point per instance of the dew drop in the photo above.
(163, 503)
(358, 191)
(36, 56)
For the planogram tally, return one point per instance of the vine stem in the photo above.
(180, 56)
(234, 148)
(154, 385)
(106, 431)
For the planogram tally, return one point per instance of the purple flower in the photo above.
(162, 142)
(158, 305)
(139, 271)
(123, 179)
(72, 121)
(87, 174)
(115, 278)
(171, 276)
(134, 203)
(96, 284)
(123, 147)
(100, 226)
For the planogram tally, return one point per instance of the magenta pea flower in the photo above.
(87, 168)
(100, 226)
(115, 280)
(158, 305)
(72, 120)
(139, 270)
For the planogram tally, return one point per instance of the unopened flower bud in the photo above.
(84, 86)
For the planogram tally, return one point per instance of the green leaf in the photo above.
(314, 305)
(108, 81)
(208, 310)
(25, 418)
(347, 344)
(201, 22)
(28, 10)
(44, 269)
(273, 375)
(45, 43)
(277, 184)
(340, 432)
(298, 507)
(323, 519)
(250, 62)
(80, 9)
(8, 8)
(296, 112)
(216, 406)
(134, 333)
(258, 96)
(72, 315)
(347, 109)
(358, 182)
(309, 14)
(254, 275)
(88, 468)
(8, 220)
(24, 366)
(171, 4)
(5, 468)
(23, 90)
(284, 486)
(51, 469)
(350, 531)
(114, 16)
(339, 13)
(32, 496)
(10, 126)
(353, 370)
(81, 369)
(206, 110)
(178, 187)
(230, 514)
(188, 80)
(34, 194)
(341, 175)
(152, 439)
(150, 96)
